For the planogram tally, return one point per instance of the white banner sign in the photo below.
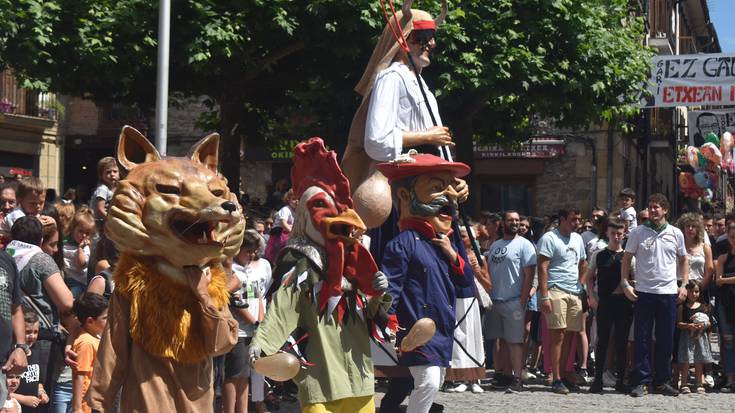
(691, 80)
(702, 122)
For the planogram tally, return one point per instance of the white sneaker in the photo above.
(526, 375)
(461, 388)
(709, 381)
(608, 379)
(476, 388)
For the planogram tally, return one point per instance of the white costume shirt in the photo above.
(396, 106)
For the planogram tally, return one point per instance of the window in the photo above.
(507, 195)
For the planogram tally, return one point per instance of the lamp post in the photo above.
(164, 20)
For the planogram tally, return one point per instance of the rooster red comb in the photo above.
(314, 165)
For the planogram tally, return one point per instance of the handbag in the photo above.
(48, 331)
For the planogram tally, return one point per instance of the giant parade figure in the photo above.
(423, 267)
(174, 222)
(329, 298)
(398, 113)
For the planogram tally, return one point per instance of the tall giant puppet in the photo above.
(398, 113)
(393, 115)
(174, 221)
(330, 291)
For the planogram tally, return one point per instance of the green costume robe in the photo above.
(340, 353)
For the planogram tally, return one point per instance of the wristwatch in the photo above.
(25, 347)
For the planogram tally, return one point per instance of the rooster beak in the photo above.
(347, 226)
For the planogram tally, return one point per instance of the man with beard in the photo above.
(562, 264)
(512, 263)
(424, 269)
(7, 200)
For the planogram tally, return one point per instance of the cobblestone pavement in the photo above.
(539, 398)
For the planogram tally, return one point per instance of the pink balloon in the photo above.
(692, 157)
(278, 367)
(420, 334)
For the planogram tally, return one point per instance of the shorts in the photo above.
(237, 365)
(507, 321)
(566, 311)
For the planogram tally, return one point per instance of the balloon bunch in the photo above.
(707, 161)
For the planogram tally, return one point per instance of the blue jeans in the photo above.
(75, 287)
(61, 400)
(662, 309)
(727, 340)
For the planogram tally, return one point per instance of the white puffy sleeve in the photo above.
(383, 137)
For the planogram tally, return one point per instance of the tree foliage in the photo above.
(284, 68)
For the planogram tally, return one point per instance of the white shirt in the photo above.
(284, 214)
(628, 214)
(657, 257)
(11, 218)
(255, 280)
(71, 264)
(396, 106)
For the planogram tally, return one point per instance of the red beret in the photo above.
(422, 163)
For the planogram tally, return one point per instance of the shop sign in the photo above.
(531, 149)
(12, 171)
(280, 150)
(691, 80)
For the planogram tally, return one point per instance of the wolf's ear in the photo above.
(206, 152)
(134, 149)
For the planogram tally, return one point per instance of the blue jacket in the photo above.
(423, 284)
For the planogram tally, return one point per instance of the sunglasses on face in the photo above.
(422, 36)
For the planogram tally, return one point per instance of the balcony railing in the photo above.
(20, 101)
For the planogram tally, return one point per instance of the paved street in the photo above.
(539, 398)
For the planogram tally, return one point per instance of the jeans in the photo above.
(727, 338)
(662, 309)
(613, 311)
(61, 399)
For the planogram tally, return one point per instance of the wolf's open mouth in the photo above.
(194, 232)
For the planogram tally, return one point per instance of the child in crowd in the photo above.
(694, 345)
(77, 251)
(30, 393)
(107, 175)
(626, 200)
(282, 228)
(66, 211)
(91, 310)
(11, 405)
(31, 197)
(254, 274)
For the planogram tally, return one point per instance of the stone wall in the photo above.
(566, 180)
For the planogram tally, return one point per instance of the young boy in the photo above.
(107, 176)
(626, 200)
(91, 310)
(31, 197)
(614, 311)
(31, 394)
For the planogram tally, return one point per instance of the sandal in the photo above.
(685, 390)
(701, 390)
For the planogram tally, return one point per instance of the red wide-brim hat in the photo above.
(419, 164)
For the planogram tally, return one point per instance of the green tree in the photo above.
(286, 69)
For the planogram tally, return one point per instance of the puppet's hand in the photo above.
(253, 353)
(463, 190)
(380, 282)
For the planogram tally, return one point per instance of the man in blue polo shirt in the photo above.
(561, 266)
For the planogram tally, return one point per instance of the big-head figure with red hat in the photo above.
(424, 269)
(329, 295)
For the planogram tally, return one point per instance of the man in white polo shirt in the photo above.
(660, 253)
